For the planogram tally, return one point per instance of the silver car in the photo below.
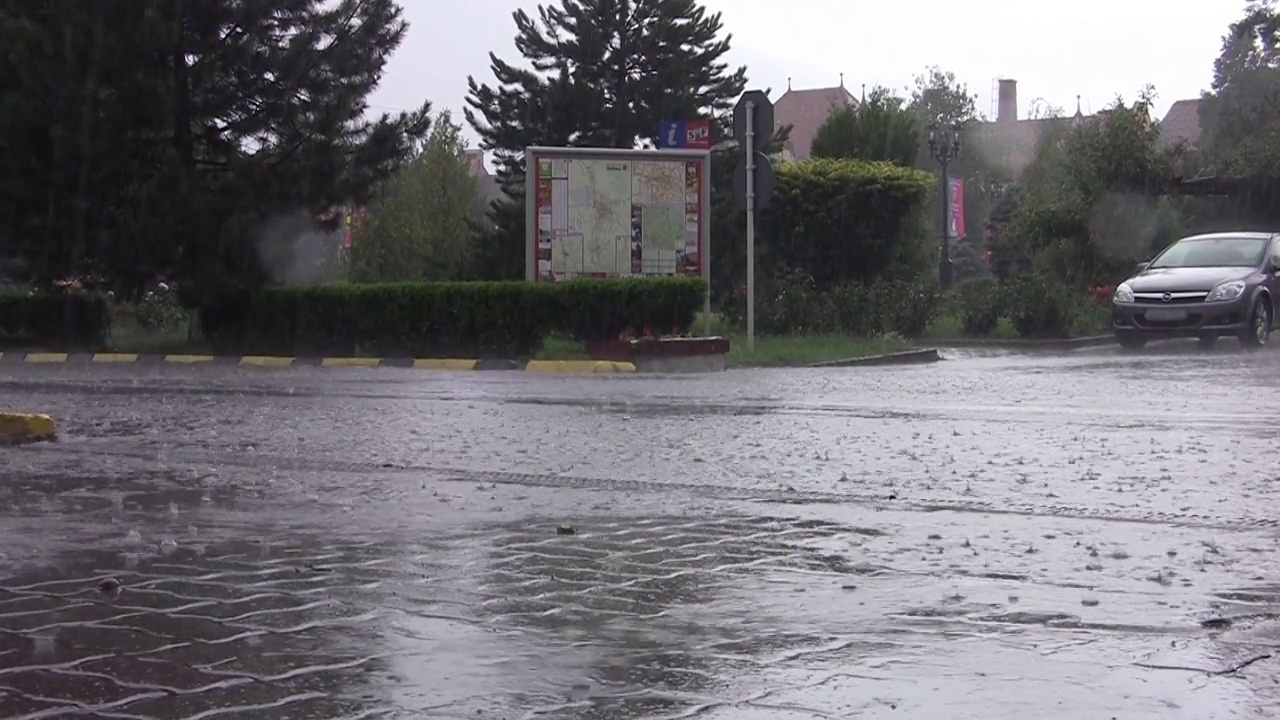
(1204, 286)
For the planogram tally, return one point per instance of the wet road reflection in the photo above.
(994, 537)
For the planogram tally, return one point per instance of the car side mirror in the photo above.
(1141, 266)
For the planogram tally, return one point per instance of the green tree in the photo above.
(157, 137)
(881, 128)
(418, 223)
(1090, 202)
(938, 97)
(1240, 115)
(602, 73)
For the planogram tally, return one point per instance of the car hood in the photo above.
(1191, 279)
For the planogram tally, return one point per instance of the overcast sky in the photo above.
(1056, 51)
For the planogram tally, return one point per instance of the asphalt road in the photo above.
(1082, 535)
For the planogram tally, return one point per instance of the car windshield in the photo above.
(1215, 252)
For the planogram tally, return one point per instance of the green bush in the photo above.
(54, 320)
(851, 310)
(843, 220)
(793, 303)
(979, 305)
(603, 310)
(1038, 308)
(903, 307)
(447, 319)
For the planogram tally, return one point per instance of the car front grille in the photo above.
(1175, 298)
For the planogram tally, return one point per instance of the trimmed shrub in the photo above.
(980, 305)
(447, 319)
(843, 219)
(605, 309)
(54, 320)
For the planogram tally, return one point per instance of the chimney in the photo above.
(1008, 107)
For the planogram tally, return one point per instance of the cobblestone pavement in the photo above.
(1064, 536)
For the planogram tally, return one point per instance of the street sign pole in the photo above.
(751, 227)
(753, 127)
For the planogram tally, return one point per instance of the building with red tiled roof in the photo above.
(805, 111)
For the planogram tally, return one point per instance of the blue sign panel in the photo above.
(690, 134)
(673, 134)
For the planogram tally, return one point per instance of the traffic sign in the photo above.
(766, 181)
(687, 134)
(761, 120)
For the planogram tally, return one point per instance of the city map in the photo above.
(608, 217)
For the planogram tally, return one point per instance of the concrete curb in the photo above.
(275, 361)
(907, 357)
(579, 367)
(1055, 344)
(26, 426)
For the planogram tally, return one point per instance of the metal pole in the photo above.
(704, 252)
(944, 251)
(751, 226)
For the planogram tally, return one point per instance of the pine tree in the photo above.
(156, 136)
(605, 73)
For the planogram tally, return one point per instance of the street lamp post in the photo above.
(944, 146)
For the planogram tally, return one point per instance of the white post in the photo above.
(751, 226)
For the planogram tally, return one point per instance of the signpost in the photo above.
(753, 128)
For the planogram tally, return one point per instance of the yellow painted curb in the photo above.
(444, 364)
(347, 362)
(265, 361)
(46, 357)
(26, 426)
(188, 359)
(579, 366)
(115, 357)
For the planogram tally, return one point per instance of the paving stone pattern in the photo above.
(301, 628)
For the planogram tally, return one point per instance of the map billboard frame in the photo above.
(535, 155)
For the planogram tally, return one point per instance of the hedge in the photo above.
(54, 321)
(447, 319)
(844, 220)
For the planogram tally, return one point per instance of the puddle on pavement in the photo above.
(729, 617)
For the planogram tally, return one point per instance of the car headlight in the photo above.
(1226, 291)
(1124, 294)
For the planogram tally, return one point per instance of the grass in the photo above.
(559, 347)
(809, 349)
(948, 326)
(769, 351)
(1090, 320)
(127, 336)
(797, 350)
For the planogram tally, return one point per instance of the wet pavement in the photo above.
(1079, 535)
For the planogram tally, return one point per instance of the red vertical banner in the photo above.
(695, 243)
(955, 208)
(542, 223)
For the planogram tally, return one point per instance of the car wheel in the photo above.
(1130, 340)
(1258, 332)
(1208, 341)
